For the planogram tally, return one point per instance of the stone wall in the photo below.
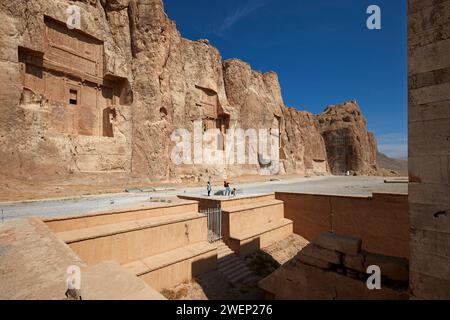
(381, 220)
(429, 146)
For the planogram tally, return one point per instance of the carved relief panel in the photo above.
(69, 75)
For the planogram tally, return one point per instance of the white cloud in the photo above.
(240, 13)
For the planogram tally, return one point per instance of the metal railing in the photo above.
(214, 224)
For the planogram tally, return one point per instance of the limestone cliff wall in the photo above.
(161, 82)
(350, 146)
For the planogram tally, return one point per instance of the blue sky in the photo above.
(321, 49)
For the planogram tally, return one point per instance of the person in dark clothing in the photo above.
(209, 188)
(227, 188)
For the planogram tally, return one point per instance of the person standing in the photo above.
(209, 188)
(227, 188)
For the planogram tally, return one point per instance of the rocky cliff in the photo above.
(350, 147)
(103, 101)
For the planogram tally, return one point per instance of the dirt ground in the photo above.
(19, 190)
(214, 286)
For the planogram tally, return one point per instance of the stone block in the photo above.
(435, 93)
(430, 169)
(393, 268)
(423, 23)
(429, 111)
(294, 282)
(354, 262)
(430, 138)
(431, 57)
(353, 274)
(427, 287)
(431, 78)
(431, 242)
(311, 261)
(433, 263)
(429, 217)
(344, 244)
(429, 194)
(317, 252)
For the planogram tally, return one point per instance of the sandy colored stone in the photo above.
(350, 146)
(311, 261)
(34, 265)
(428, 73)
(391, 267)
(354, 262)
(343, 244)
(298, 281)
(323, 254)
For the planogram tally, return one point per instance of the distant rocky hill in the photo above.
(387, 165)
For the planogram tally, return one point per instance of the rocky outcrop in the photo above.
(304, 147)
(350, 147)
(257, 101)
(146, 82)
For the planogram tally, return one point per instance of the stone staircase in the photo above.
(163, 244)
(232, 267)
(253, 223)
(35, 268)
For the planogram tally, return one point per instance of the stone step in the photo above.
(230, 269)
(97, 284)
(252, 280)
(233, 268)
(248, 217)
(256, 213)
(231, 260)
(252, 240)
(35, 267)
(176, 266)
(130, 241)
(222, 253)
(248, 200)
(249, 206)
(261, 229)
(123, 227)
(223, 249)
(239, 276)
(69, 223)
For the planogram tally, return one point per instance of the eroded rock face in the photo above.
(350, 147)
(304, 147)
(103, 101)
